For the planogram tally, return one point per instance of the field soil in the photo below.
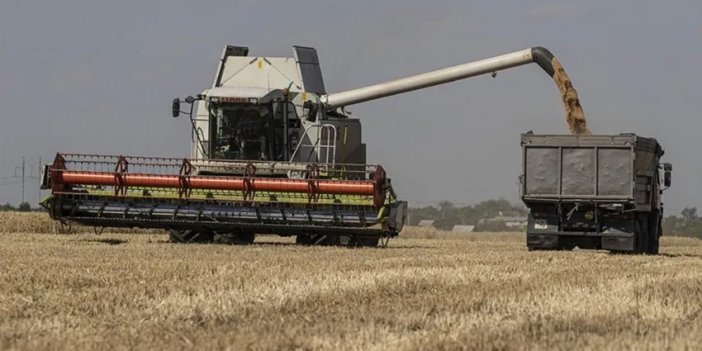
(428, 291)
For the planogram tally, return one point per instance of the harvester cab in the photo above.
(267, 109)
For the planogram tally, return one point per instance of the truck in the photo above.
(272, 153)
(593, 192)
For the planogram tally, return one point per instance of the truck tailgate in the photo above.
(577, 170)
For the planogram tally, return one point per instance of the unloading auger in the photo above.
(272, 153)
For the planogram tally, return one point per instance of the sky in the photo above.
(98, 77)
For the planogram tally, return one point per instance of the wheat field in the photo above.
(426, 291)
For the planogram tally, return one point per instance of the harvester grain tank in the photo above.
(272, 153)
(593, 191)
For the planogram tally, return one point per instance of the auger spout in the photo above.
(539, 55)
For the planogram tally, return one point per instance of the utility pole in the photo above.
(22, 179)
(21, 172)
(39, 175)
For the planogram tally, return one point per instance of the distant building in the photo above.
(510, 221)
(426, 223)
(459, 228)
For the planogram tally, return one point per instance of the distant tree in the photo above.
(418, 214)
(445, 207)
(24, 207)
(687, 224)
(689, 214)
(7, 207)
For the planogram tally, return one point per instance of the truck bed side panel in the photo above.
(602, 168)
(614, 172)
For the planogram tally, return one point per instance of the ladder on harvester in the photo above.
(323, 150)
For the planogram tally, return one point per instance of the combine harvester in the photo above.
(272, 153)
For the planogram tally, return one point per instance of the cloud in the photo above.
(548, 9)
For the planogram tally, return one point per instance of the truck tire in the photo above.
(648, 234)
(641, 235)
(655, 231)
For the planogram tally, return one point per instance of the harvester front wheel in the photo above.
(367, 241)
(337, 240)
(303, 239)
(234, 238)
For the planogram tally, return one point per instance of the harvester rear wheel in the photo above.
(234, 238)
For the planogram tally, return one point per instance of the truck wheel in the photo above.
(655, 234)
(643, 234)
(567, 247)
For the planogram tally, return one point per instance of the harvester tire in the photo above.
(234, 238)
(303, 239)
(336, 240)
(367, 241)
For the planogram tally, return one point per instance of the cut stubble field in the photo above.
(426, 291)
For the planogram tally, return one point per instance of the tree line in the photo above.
(446, 215)
(688, 223)
(23, 207)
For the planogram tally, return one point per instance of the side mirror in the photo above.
(311, 110)
(667, 174)
(176, 107)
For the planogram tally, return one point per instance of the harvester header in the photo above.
(183, 194)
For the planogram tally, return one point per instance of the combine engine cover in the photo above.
(203, 200)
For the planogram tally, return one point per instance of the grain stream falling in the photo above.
(574, 115)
